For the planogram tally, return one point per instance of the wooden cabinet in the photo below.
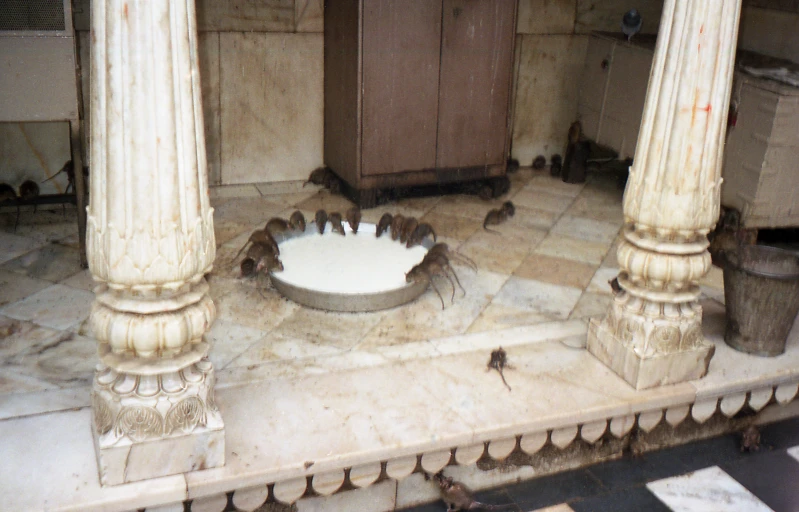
(417, 92)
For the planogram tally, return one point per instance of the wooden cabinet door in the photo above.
(476, 70)
(401, 51)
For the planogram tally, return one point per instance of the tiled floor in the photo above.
(550, 262)
(537, 283)
(705, 476)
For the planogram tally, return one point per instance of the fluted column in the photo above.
(150, 241)
(652, 334)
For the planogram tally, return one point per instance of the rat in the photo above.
(384, 224)
(408, 227)
(28, 190)
(318, 176)
(419, 274)
(422, 230)
(396, 226)
(459, 497)
(438, 261)
(499, 215)
(539, 162)
(452, 255)
(261, 237)
(556, 165)
(321, 220)
(7, 192)
(498, 362)
(750, 439)
(513, 166)
(354, 218)
(247, 267)
(297, 221)
(614, 285)
(335, 224)
(277, 225)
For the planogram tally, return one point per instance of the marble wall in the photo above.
(261, 63)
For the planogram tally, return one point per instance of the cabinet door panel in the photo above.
(476, 69)
(401, 52)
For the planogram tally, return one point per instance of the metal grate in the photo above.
(37, 15)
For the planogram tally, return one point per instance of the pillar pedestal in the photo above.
(150, 241)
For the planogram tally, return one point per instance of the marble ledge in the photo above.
(291, 427)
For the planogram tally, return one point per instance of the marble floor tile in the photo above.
(555, 185)
(12, 245)
(424, 319)
(261, 309)
(229, 340)
(57, 307)
(794, 452)
(69, 462)
(496, 252)
(225, 230)
(326, 201)
(710, 490)
(592, 305)
(531, 197)
(13, 381)
(70, 362)
(610, 259)
(599, 283)
(538, 297)
(227, 191)
(555, 271)
(555, 508)
(465, 206)
(499, 316)
(274, 347)
(712, 293)
(596, 209)
(532, 218)
(18, 404)
(731, 371)
(714, 278)
(423, 204)
(245, 210)
(52, 262)
(21, 339)
(572, 248)
(326, 328)
(587, 229)
(287, 192)
(548, 378)
(452, 226)
(510, 337)
(83, 280)
(47, 228)
(520, 178)
(17, 286)
(218, 286)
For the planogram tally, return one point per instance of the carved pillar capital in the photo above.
(150, 241)
(652, 334)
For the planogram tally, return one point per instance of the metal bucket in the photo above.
(761, 289)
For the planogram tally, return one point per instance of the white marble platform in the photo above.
(308, 393)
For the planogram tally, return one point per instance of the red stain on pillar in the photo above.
(707, 108)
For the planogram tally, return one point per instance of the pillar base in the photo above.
(644, 372)
(149, 426)
(202, 449)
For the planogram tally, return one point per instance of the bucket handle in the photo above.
(728, 263)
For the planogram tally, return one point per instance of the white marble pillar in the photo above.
(150, 241)
(652, 334)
